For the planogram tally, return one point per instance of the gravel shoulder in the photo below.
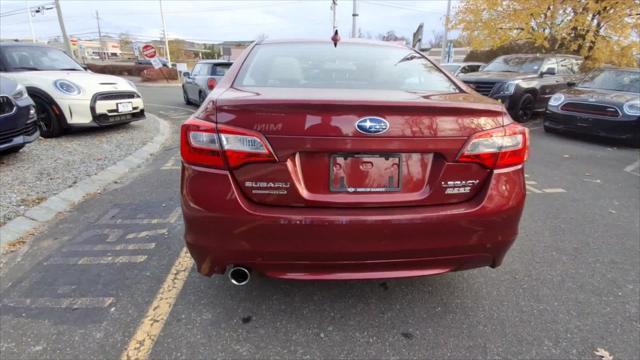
(49, 166)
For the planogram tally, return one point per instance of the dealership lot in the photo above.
(115, 270)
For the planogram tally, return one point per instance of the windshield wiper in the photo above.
(25, 68)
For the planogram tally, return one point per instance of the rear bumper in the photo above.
(610, 128)
(224, 228)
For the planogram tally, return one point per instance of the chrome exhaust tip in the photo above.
(239, 275)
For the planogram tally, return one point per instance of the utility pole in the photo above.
(29, 15)
(65, 38)
(445, 38)
(102, 49)
(354, 34)
(164, 31)
(334, 4)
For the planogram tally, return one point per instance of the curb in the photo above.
(66, 199)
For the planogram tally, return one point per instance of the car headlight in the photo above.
(632, 107)
(508, 88)
(556, 99)
(20, 93)
(67, 87)
(132, 84)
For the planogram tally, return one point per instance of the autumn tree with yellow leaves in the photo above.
(602, 31)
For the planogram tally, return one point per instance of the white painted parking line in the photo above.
(75, 303)
(136, 246)
(93, 260)
(529, 182)
(633, 168)
(554, 190)
(172, 164)
(533, 190)
(107, 218)
(147, 233)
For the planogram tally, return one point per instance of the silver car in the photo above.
(197, 84)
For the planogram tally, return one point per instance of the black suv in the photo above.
(524, 83)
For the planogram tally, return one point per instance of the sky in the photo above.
(216, 21)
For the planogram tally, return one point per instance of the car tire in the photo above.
(187, 101)
(201, 97)
(524, 111)
(48, 122)
(549, 129)
(12, 150)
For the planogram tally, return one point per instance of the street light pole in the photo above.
(334, 4)
(164, 31)
(33, 34)
(65, 38)
(445, 38)
(353, 23)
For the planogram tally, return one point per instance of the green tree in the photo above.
(594, 29)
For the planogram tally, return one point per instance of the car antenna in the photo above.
(335, 38)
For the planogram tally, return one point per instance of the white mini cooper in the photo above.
(65, 94)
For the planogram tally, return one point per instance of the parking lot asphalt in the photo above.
(111, 280)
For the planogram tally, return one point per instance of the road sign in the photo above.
(148, 51)
(156, 63)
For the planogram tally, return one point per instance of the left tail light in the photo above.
(497, 148)
(203, 143)
(211, 83)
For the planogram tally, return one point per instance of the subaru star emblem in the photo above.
(372, 125)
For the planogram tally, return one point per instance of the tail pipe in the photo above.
(239, 275)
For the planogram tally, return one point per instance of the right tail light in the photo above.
(497, 148)
(203, 143)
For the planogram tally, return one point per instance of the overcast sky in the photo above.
(214, 21)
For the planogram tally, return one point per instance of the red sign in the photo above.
(148, 51)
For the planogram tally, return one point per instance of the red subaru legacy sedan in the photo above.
(360, 161)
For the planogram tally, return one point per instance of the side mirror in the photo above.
(186, 74)
(571, 83)
(548, 71)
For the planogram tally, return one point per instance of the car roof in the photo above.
(464, 63)
(214, 61)
(327, 40)
(542, 55)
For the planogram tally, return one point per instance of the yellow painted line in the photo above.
(145, 337)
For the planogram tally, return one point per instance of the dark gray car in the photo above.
(197, 84)
(523, 82)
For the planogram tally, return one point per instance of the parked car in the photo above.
(197, 84)
(463, 67)
(605, 103)
(65, 94)
(307, 163)
(18, 120)
(524, 83)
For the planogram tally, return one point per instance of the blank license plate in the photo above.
(365, 173)
(124, 107)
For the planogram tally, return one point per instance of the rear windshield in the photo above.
(349, 66)
(221, 69)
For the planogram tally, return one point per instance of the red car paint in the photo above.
(275, 210)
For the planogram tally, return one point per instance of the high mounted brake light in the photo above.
(203, 143)
(497, 148)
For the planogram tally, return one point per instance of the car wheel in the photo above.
(524, 111)
(12, 150)
(48, 123)
(185, 97)
(201, 97)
